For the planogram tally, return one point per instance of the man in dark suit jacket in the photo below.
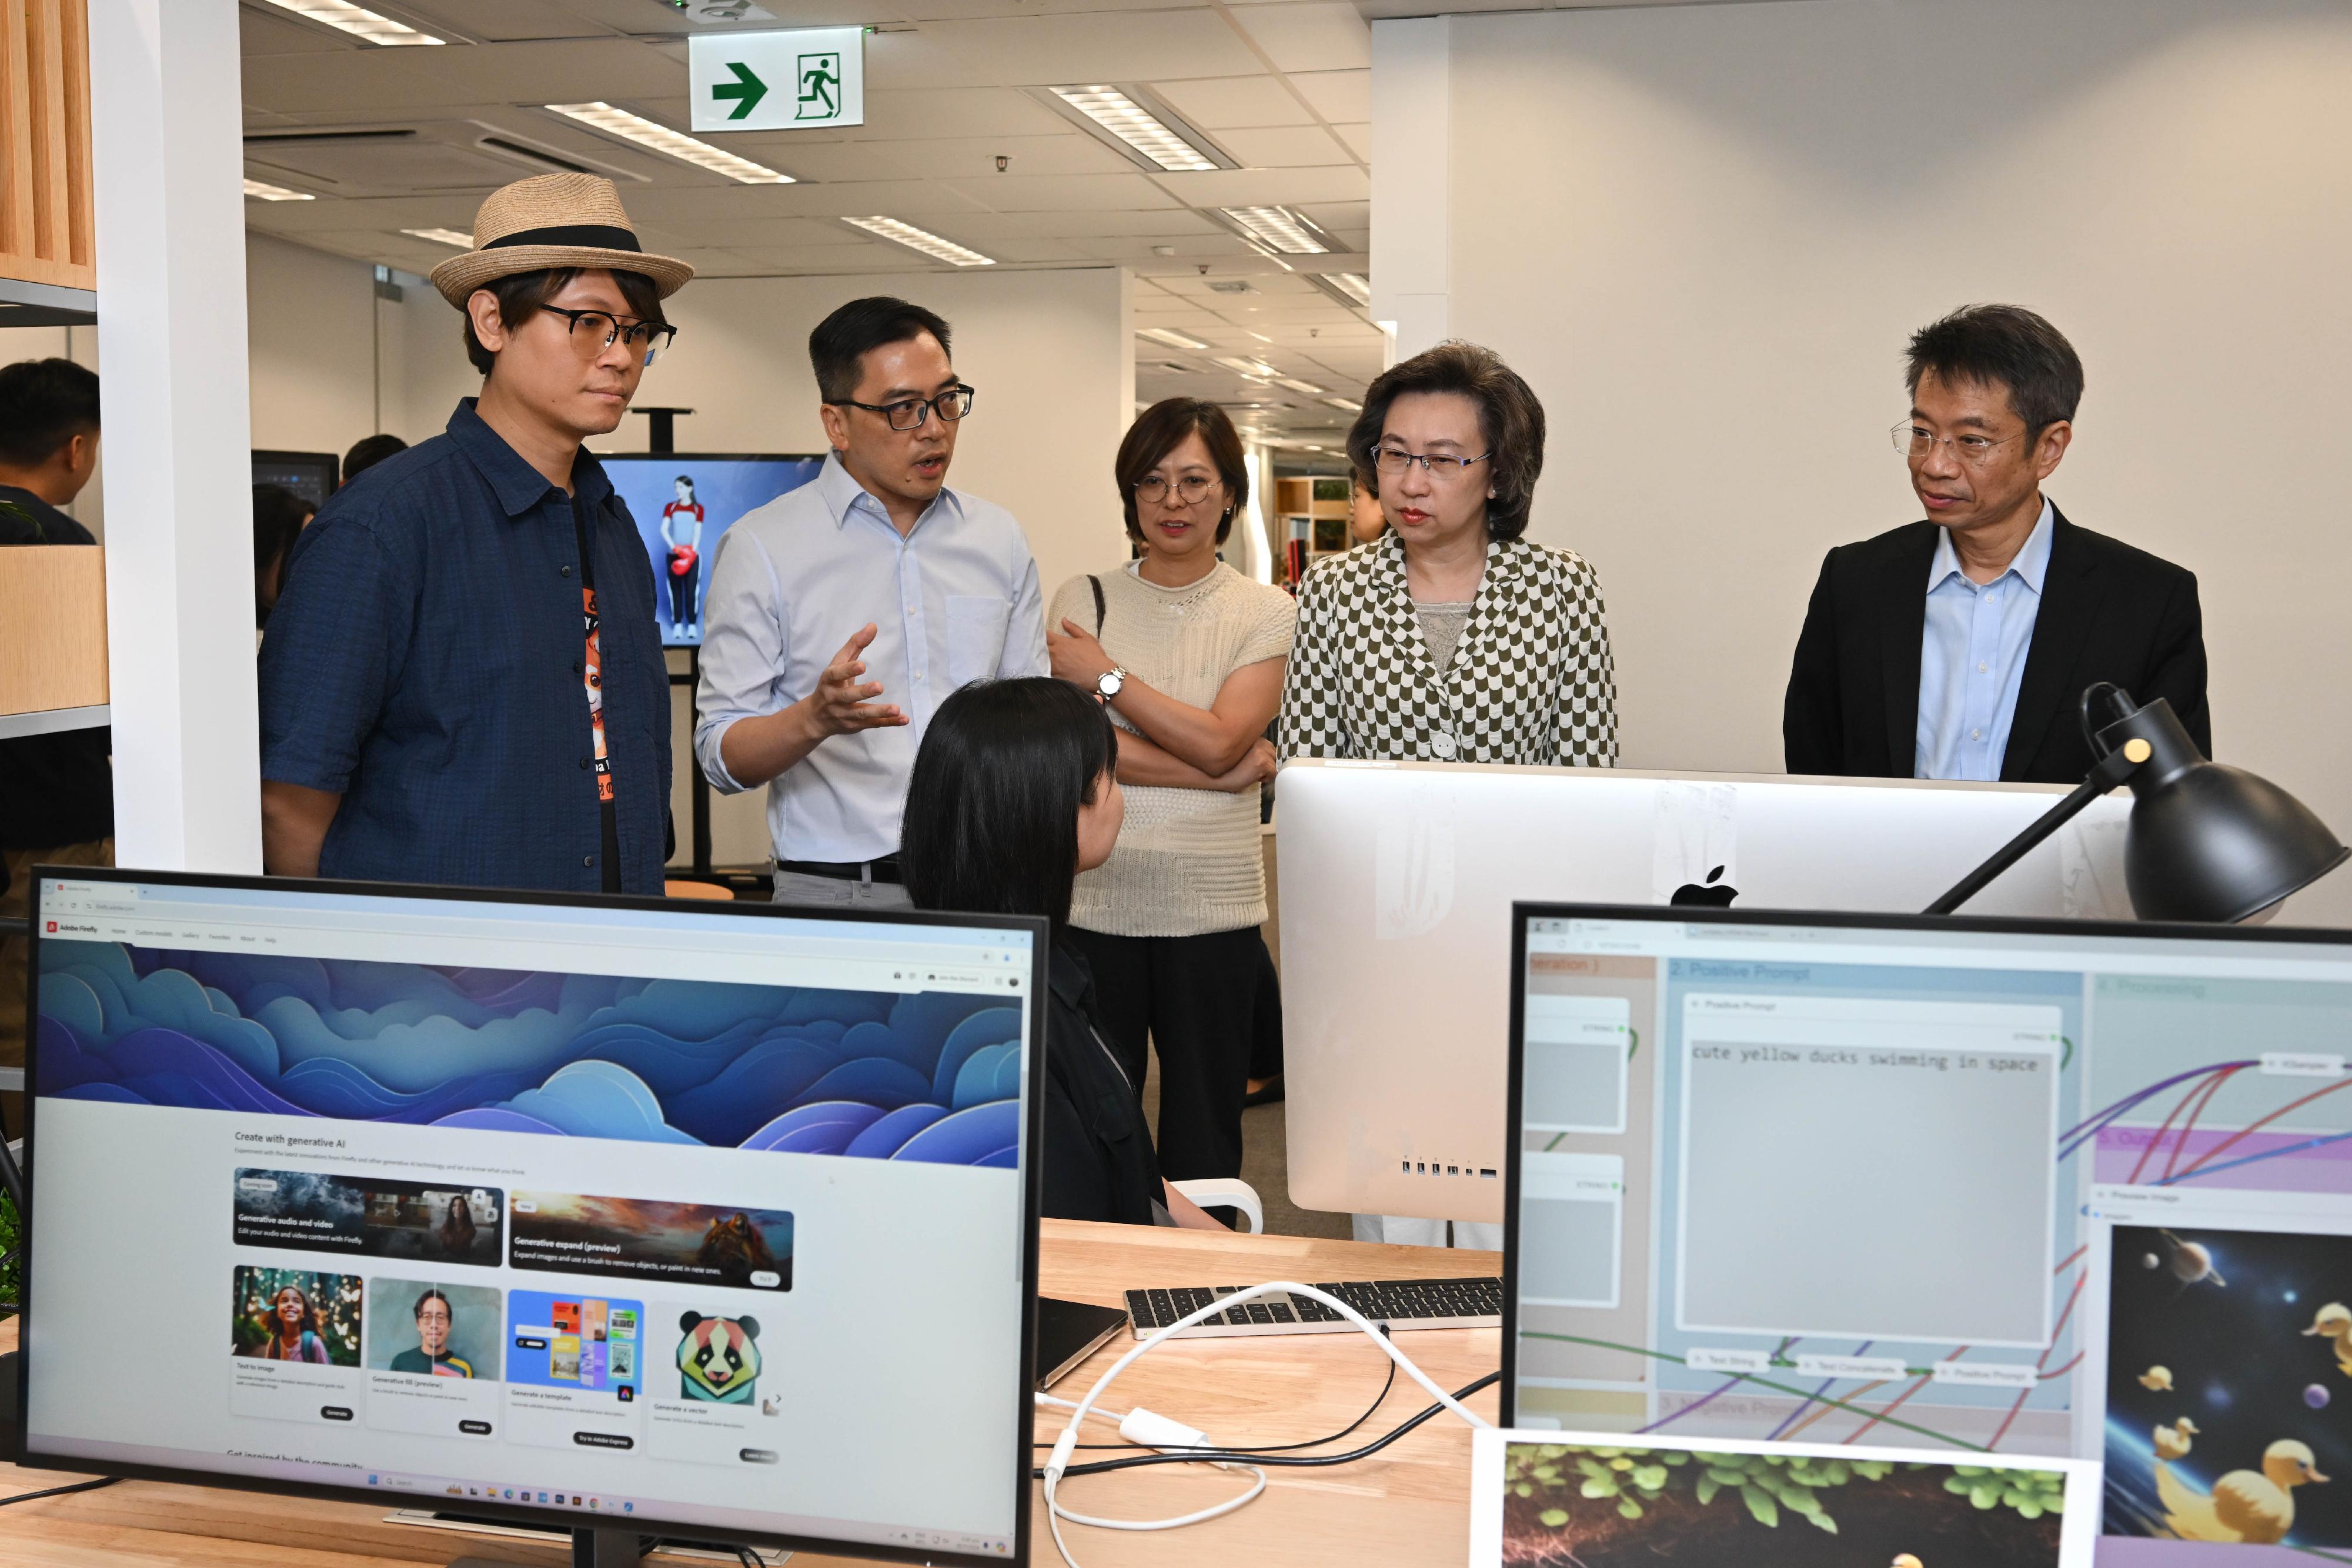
(1960, 647)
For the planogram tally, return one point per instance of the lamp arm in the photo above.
(2111, 769)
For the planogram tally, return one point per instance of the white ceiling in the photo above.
(1282, 86)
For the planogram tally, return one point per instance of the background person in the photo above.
(366, 452)
(462, 681)
(430, 1357)
(874, 568)
(1960, 647)
(1014, 792)
(1188, 655)
(1366, 521)
(279, 516)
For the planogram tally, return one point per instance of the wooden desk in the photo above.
(1409, 1505)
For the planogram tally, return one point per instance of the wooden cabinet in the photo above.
(52, 627)
(45, 192)
(1310, 511)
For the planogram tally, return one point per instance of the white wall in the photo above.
(1703, 234)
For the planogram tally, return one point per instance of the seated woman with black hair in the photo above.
(1015, 792)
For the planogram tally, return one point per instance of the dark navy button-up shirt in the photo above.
(426, 661)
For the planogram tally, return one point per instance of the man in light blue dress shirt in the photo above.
(875, 582)
(1972, 657)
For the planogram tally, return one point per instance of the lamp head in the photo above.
(2206, 842)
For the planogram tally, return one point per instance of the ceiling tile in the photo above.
(1042, 50)
(1316, 37)
(1223, 103)
(1259, 188)
(1060, 192)
(410, 81)
(1358, 138)
(262, 31)
(1338, 96)
(933, 112)
(974, 157)
(502, 21)
(875, 256)
(1288, 147)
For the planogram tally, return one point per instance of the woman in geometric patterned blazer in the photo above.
(1452, 639)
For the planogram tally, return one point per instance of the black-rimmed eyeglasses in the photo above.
(604, 329)
(909, 413)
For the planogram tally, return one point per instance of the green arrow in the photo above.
(746, 88)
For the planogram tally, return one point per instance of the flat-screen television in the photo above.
(715, 1220)
(313, 476)
(682, 502)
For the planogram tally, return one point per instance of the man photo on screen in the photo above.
(1960, 647)
(681, 529)
(430, 1355)
(463, 681)
(840, 616)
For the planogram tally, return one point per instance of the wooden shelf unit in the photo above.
(1312, 509)
(45, 184)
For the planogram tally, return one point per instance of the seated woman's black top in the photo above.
(1098, 1159)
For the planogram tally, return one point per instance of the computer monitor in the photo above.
(1395, 887)
(313, 476)
(682, 502)
(718, 1219)
(2022, 1187)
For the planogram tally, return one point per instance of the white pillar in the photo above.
(167, 168)
(1412, 140)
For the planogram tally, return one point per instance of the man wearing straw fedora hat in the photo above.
(463, 680)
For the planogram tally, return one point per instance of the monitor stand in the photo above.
(597, 1548)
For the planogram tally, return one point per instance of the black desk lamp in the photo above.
(2206, 842)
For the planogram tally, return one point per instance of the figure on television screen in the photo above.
(457, 1228)
(295, 1328)
(682, 532)
(430, 1355)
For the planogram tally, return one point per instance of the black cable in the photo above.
(1278, 1447)
(1247, 1457)
(60, 1491)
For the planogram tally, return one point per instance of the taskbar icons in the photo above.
(481, 1491)
(949, 1540)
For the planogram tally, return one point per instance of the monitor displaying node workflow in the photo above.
(682, 502)
(594, 1209)
(2005, 1186)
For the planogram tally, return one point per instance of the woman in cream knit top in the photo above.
(1188, 656)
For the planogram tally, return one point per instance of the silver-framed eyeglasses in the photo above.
(604, 329)
(1914, 442)
(1192, 489)
(1393, 462)
(908, 412)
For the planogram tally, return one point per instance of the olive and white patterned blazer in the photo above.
(1531, 680)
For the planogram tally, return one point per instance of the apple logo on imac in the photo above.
(1712, 894)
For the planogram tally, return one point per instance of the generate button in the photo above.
(334, 1412)
(475, 1429)
(757, 1456)
(602, 1441)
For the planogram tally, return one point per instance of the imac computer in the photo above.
(313, 476)
(682, 502)
(2029, 1187)
(707, 1221)
(1395, 889)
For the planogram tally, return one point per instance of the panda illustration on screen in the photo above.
(717, 1359)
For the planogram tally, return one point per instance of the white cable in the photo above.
(1059, 1461)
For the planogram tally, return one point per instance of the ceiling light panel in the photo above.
(359, 22)
(443, 236)
(1257, 367)
(923, 240)
(1172, 339)
(1309, 388)
(263, 191)
(1147, 134)
(1347, 404)
(1355, 286)
(644, 132)
(1286, 230)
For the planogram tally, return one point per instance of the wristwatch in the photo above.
(1107, 685)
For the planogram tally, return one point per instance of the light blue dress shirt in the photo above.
(1972, 658)
(954, 600)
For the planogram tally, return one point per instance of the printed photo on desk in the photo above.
(1593, 1499)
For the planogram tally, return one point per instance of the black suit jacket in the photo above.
(2109, 612)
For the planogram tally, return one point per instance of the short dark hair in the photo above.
(838, 347)
(432, 1295)
(524, 294)
(367, 451)
(991, 820)
(279, 515)
(2005, 345)
(44, 404)
(1160, 430)
(1510, 421)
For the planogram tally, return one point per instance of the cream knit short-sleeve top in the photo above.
(1188, 861)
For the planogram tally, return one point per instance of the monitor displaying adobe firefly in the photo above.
(1969, 1186)
(544, 1208)
(682, 502)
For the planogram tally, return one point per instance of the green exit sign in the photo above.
(788, 80)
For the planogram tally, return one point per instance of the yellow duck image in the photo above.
(1905, 1560)
(2334, 1322)
(2245, 1505)
(2172, 1442)
(2158, 1378)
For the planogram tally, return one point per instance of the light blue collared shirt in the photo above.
(1972, 658)
(954, 600)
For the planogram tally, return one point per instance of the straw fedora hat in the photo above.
(553, 220)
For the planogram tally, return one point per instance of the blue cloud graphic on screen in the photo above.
(865, 1074)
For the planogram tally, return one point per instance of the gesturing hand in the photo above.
(1076, 657)
(839, 705)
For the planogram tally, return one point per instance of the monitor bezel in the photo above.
(1032, 1111)
(1523, 911)
(332, 462)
